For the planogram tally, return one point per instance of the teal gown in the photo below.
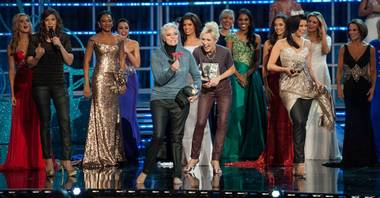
(245, 138)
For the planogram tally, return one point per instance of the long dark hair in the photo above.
(292, 25)
(43, 33)
(123, 20)
(251, 36)
(99, 17)
(273, 37)
(196, 22)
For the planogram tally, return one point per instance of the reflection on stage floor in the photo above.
(319, 179)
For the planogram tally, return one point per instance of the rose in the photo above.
(177, 55)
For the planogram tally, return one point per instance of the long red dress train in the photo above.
(24, 148)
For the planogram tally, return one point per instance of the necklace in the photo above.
(211, 55)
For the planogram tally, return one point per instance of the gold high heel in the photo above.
(141, 178)
(72, 172)
(50, 173)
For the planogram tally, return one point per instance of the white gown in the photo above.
(371, 22)
(206, 149)
(321, 143)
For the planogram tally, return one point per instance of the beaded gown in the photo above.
(104, 144)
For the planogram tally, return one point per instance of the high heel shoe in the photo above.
(72, 173)
(299, 171)
(192, 180)
(190, 165)
(215, 183)
(50, 172)
(141, 178)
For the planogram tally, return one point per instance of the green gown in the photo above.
(245, 138)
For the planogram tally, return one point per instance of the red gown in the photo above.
(279, 147)
(24, 148)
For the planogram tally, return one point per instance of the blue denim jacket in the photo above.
(167, 83)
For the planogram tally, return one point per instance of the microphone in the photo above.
(52, 34)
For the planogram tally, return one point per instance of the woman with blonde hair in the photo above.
(24, 149)
(226, 22)
(190, 29)
(317, 135)
(216, 86)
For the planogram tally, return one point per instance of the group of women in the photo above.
(37, 76)
(293, 118)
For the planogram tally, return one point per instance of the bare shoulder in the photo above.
(258, 38)
(94, 38)
(118, 38)
(267, 45)
(281, 42)
(131, 42)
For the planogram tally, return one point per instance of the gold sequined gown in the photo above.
(103, 145)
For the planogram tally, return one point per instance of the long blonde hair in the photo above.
(15, 30)
(321, 20)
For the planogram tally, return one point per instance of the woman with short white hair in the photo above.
(216, 65)
(171, 64)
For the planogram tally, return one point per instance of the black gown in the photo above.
(358, 146)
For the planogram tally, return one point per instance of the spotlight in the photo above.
(276, 193)
(76, 191)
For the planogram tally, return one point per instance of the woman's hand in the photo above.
(129, 48)
(13, 101)
(319, 85)
(291, 72)
(40, 51)
(370, 93)
(242, 79)
(192, 98)
(87, 91)
(340, 92)
(57, 42)
(212, 83)
(268, 91)
(175, 65)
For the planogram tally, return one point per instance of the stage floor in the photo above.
(319, 179)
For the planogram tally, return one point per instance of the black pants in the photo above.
(299, 114)
(163, 112)
(42, 96)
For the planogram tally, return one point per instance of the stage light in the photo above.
(76, 191)
(276, 193)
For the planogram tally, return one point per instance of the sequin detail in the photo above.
(356, 72)
(103, 145)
